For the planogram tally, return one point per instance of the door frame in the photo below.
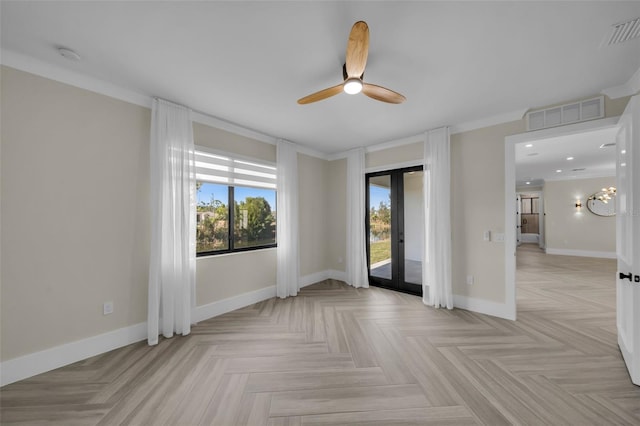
(510, 142)
(397, 257)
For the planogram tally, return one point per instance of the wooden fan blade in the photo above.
(383, 94)
(322, 94)
(357, 49)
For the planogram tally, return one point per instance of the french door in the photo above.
(395, 229)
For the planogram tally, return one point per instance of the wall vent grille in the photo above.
(624, 31)
(575, 112)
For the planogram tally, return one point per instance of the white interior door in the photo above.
(518, 220)
(628, 237)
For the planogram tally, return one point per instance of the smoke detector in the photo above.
(68, 54)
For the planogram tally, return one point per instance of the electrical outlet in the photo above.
(107, 308)
(469, 279)
(486, 235)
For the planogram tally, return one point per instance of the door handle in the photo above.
(629, 276)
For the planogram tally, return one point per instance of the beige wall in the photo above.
(222, 276)
(336, 245)
(227, 275)
(477, 205)
(571, 228)
(229, 142)
(392, 156)
(75, 213)
(313, 206)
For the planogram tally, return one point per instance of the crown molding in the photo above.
(493, 120)
(73, 78)
(631, 87)
(458, 128)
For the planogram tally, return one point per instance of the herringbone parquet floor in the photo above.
(335, 355)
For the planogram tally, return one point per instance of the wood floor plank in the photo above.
(339, 400)
(316, 379)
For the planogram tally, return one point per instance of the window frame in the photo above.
(231, 246)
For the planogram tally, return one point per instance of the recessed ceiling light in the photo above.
(624, 151)
(558, 171)
(69, 54)
(529, 145)
(569, 158)
(528, 183)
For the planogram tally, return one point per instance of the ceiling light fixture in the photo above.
(529, 145)
(569, 158)
(558, 171)
(528, 183)
(69, 54)
(353, 86)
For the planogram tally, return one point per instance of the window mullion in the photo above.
(231, 213)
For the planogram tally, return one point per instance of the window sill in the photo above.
(234, 253)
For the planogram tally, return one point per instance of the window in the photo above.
(236, 204)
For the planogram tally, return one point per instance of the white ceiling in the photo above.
(248, 62)
(541, 161)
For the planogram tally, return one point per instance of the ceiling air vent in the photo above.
(589, 109)
(578, 170)
(624, 31)
(607, 145)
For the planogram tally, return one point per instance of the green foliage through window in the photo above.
(253, 220)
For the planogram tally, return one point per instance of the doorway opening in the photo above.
(530, 218)
(395, 226)
(517, 183)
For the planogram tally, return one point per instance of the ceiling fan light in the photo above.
(352, 86)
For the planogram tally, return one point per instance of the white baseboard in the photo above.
(59, 356)
(40, 362)
(223, 306)
(337, 275)
(316, 277)
(582, 253)
(486, 307)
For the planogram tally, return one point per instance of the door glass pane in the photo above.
(380, 226)
(413, 227)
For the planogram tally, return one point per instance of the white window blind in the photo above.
(229, 169)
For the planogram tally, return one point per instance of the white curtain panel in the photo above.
(436, 265)
(173, 211)
(287, 220)
(356, 236)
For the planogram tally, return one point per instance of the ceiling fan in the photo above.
(353, 71)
